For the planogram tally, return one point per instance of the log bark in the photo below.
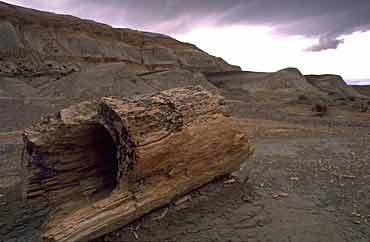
(102, 164)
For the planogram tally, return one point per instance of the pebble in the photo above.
(280, 195)
(356, 222)
(230, 181)
(182, 200)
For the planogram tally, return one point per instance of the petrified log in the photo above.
(102, 164)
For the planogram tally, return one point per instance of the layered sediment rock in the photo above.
(45, 39)
(59, 60)
(333, 85)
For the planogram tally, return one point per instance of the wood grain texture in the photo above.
(104, 163)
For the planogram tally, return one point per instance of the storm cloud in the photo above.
(325, 20)
(326, 44)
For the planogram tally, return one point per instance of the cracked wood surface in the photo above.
(102, 164)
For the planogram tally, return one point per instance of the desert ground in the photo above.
(307, 181)
(309, 177)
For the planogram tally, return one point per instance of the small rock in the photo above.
(247, 199)
(356, 214)
(280, 195)
(162, 215)
(135, 235)
(182, 200)
(230, 181)
(275, 196)
(283, 194)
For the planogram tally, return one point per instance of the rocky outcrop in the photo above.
(289, 80)
(119, 79)
(287, 87)
(100, 165)
(50, 61)
(286, 79)
(333, 85)
(362, 89)
(45, 39)
(26, 102)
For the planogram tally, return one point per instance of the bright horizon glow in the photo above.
(258, 48)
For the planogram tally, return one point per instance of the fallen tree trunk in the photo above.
(102, 164)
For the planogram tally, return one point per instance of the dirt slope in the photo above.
(44, 38)
(48, 61)
(333, 85)
(363, 89)
(289, 78)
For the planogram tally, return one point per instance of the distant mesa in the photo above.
(286, 79)
(289, 78)
(333, 85)
(362, 89)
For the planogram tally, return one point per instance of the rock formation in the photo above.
(101, 164)
(362, 89)
(289, 78)
(333, 85)
(288, 81)
(47, 41)
(50, 61)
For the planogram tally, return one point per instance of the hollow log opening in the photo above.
(106, 160)
(76, 163)
(149, 149)
(125, 146)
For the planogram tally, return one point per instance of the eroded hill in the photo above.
(48, 61)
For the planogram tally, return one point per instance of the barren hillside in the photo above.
(48, 61)
(364, 90)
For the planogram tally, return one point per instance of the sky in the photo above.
(316, 36)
